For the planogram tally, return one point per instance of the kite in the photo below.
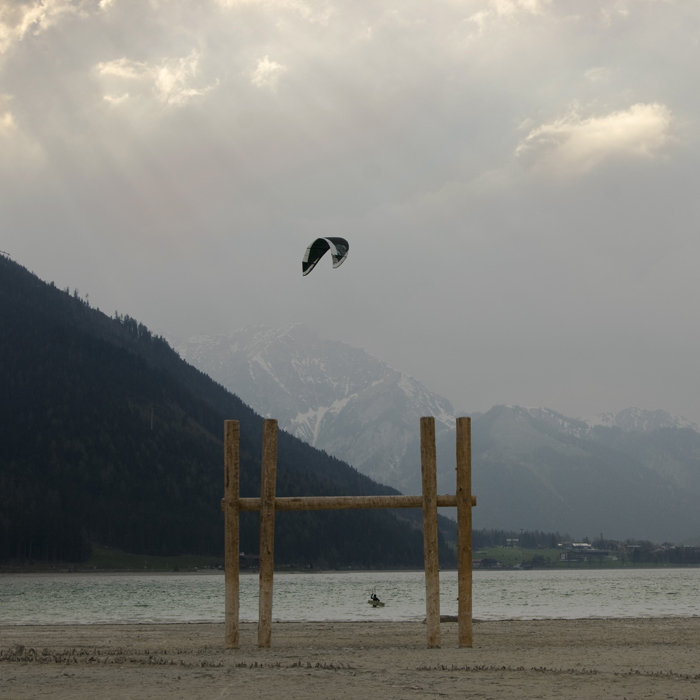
(339, 248)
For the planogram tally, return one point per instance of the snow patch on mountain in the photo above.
(629, 419)
(640, 420)
(562, 423)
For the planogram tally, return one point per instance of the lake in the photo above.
(199, 597)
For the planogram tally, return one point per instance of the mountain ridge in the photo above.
(533, 467)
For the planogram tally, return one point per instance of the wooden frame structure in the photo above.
(232, 505)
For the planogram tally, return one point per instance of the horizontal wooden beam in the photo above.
(345, 502)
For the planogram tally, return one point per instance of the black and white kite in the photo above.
(339, 248)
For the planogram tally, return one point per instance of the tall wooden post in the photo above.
(430, 530)
(267, 531)
(232, 470)
(464, 531)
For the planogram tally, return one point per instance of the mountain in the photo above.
(337, 398)
(628, 420)
(539, 470)
(641, 421)
(631, 474)
(108, 436)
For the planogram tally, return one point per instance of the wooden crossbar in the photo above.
(268, 504)
(343, 502)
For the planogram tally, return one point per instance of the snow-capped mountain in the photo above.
(338, 398)
(628, 420)
(640, 420)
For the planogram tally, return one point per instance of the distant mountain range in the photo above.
(108, 436)
(635, 473)
(537, 469)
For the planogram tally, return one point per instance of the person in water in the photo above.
(374, 597)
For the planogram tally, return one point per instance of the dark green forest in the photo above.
(107, 436)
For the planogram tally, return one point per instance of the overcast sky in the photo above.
(518, 179)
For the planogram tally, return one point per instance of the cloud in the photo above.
(574, 145)
(17, 150)
(7, 121)
(494, 10)
(300, 7)
(116, 99)
(125, 68)
(267, 73)
(17, 17)
(171, 80)
(511, 7)
(598, 74)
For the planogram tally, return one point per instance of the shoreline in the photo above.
(476, 571)
(585, 658)
(445, 620)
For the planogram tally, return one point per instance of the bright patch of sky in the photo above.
(576, 145)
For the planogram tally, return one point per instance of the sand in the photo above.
(640, 658)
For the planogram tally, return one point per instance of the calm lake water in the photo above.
(199, 597)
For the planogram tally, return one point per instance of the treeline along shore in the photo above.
(494, 550)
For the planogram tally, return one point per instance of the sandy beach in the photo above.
(642, 658)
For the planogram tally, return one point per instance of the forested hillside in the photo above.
(107, 436)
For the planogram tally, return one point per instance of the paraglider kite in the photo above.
(339, 248)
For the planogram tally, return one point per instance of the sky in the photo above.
(518, 181)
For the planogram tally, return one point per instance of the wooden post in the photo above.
(232, 470)
(464, 531)
(267, 531)
(430, 530)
